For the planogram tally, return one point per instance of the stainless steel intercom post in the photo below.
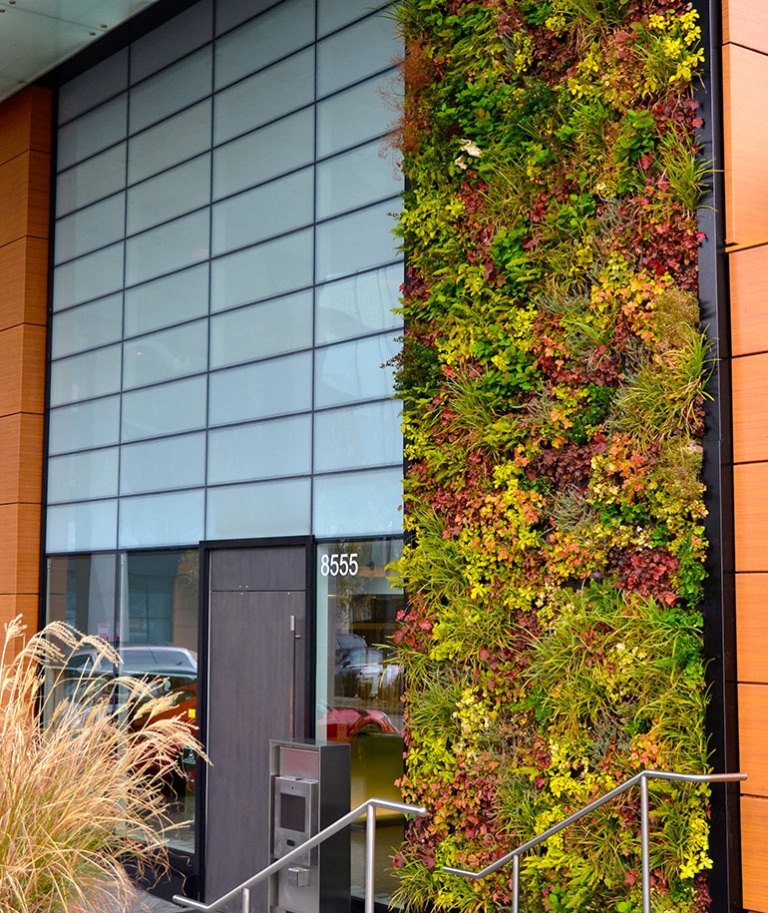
(310, 790)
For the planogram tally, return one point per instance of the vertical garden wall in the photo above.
(552, 376)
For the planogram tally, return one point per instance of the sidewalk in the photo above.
(146, 903)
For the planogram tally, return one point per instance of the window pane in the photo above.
(358, 504)
(357, 306)
(179, 138)
(352, 371)
(168, 248)
(356, 242)
(167, 409)
(81, 592)
(264, 509)
(357, 52)
(85, 376)
(355, 115)
(166, 355)
(230, 13)
(262, 330)
(170, 194)
(263, 451)
(170, 300)
(92, 132)
(332, 14)
(176, 462)
(359, 437)
(98, 177)
(94, 86)
(274, 92)
(157, 520)
(264, 154)
(179, 85)
(269, 210)
(276, 387)
(353, 179)
(270, 269)
(96, 226)
(184, 33)
(87, 326)
(92, 276)
(84, 425)
(264, 40)
(81, 527)
(80, 476)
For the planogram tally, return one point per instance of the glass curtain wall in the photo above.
(224, 279)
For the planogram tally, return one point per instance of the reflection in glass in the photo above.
(358, 306)
(358, 684)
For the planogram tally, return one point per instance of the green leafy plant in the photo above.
(81, 793)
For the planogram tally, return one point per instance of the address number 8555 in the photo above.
(339, 565)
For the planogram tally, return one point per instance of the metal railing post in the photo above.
(246, 900)
(645, 850)
(516, 884)
(370, 856)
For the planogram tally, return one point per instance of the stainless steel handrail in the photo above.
(368, 808)
(642, 778)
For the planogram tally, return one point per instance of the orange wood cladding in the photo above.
(750, 495)
(752, 628)
(753, 745)
(749, 293)
(754, 834)
(745, 22)
(745, 74)
(25, 144)
(750, 408)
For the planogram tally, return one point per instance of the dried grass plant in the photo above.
(81, 789)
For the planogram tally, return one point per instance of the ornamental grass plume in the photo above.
(81, 787)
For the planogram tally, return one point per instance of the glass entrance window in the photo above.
(359, 685)
(146, 605)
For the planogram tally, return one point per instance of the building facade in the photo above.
(200, 444)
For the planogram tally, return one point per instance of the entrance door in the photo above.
(256, 692)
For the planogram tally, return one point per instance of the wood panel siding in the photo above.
(750, 497)
(748, 271)
(753, 745)
(750, 408)
(25, 163)
(745, 75)
(752, 627)
(754, 834)
(745, 22)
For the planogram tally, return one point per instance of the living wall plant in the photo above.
(552, 375)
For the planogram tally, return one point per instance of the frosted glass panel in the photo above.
(270, 269)
(264, 509)
(178, 86)
(96, 178)
(356, 242)
(359, 437)
(170, 194)
(357, 306)
(85, 376)
(352, 371)
(355, 115)
(92, 132)
(230, 13)
(272, 209)
(85, 230)
(264, 40)
(94, 86)
(87, 326)
(275, 387)
(92, 276)
(175, 462)
(358, 504)
(84, 425)
(174, 140)
(357, 52)
(166, 355)
(170, 408)
(355, 178)
(82, 527)
(263, 451)
(265, 329)
(267, 153)
(163, 302)
(156, 520)
(276, 91)
(168, 248)
(332, 14)
(80, 476)
(176, 38)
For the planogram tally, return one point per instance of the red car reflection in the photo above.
(342, 724)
